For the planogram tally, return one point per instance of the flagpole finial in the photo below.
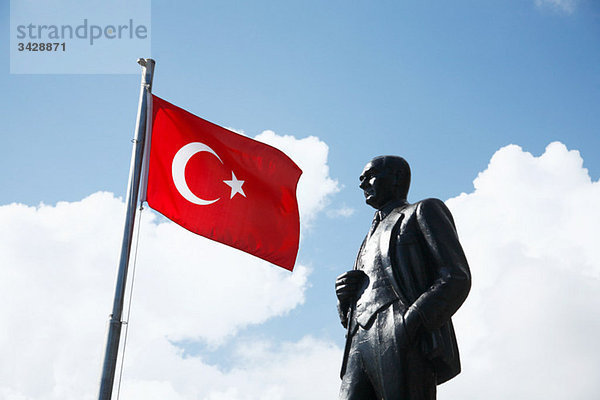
(147, 65)
(145, 61)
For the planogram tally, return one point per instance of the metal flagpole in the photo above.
(137, 153)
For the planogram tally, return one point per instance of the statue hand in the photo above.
(349, 285)
(347, 288)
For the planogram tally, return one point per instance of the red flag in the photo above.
(222, 185)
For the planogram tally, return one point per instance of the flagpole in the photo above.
(137, 153)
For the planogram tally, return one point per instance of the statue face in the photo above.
(377, 182)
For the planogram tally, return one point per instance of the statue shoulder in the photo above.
(432, 208)
(431, 203)
(424, 210)
(423, 205)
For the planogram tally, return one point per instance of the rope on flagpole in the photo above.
(128, 316)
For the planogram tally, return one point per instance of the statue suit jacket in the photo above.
(426, 265)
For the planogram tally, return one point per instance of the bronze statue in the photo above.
(409, 278)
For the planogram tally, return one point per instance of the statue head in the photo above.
(384, 179)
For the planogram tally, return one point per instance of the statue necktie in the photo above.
(376, 221)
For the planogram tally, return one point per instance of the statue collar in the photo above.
(389, 207)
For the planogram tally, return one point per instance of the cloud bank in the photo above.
(530, 325)
(527, 330)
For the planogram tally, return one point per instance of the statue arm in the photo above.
(445, 256)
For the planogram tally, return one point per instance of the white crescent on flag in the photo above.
(178, 171)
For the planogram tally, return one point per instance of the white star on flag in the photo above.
(236, 186)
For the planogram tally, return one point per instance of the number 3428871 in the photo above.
(34, 46)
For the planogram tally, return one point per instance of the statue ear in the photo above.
(396, 185)
(400, 183)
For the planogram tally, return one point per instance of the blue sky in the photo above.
(444, 84)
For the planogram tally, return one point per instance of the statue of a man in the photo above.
(410, 277)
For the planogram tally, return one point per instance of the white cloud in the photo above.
(289, 371)
(58, 264)
(57, 268)
(566, 6)
(530, 325)
(341, 212)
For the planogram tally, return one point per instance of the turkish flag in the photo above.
(222, 185)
